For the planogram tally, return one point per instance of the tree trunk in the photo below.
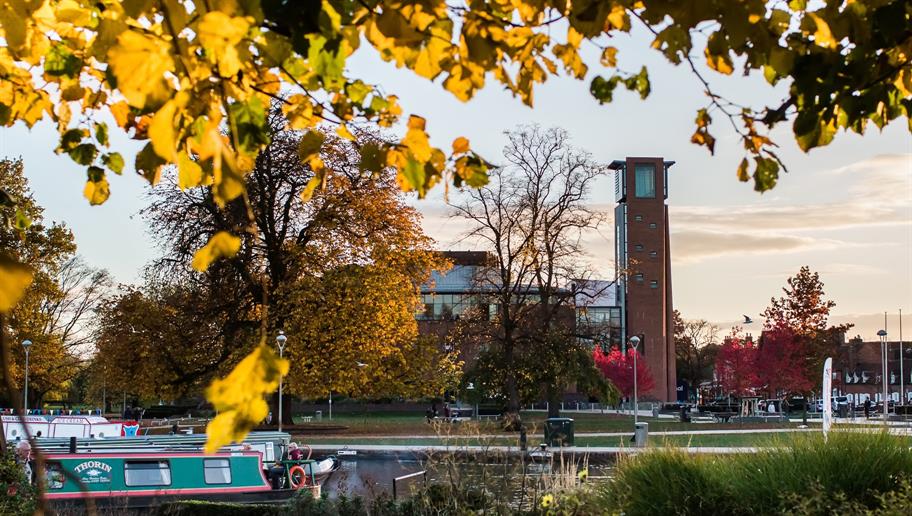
(554, 400)
(287, 416)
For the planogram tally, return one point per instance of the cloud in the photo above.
(693, 245)
(877, 192)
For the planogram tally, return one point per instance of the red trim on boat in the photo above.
(157, 492)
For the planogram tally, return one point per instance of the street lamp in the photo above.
(635, 341)
(471, 387)
(883, 362)
(281, 339)
(26, 344)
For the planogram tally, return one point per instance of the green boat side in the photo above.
(157, 474)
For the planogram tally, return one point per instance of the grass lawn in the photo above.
(410, 423)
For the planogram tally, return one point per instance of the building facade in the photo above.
(643, 266)
(638, 303)
(858, 371)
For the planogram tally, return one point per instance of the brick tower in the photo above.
(643, 263)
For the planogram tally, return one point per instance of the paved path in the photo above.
(429, 448)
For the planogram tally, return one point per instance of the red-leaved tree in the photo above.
(618, 368)
(782, 362)
(736, 364)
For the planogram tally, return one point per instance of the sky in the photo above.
(845, 209)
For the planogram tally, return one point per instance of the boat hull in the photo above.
(144, 502)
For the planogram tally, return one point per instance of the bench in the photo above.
(723, 417)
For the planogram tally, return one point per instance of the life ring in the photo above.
(301, 473)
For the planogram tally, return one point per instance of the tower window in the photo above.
(638, 277)
(653, 254)
(645, 180)
(652, 225)
(638, 218)
(638, 247)
(654, 284)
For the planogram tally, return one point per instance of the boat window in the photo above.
(217, 471)
(53, 475)
(147, 473)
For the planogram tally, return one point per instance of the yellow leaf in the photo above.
(609, 57)
(219, 34)
(189, 173)
(618, 18)
(742, 171)
(14, 279)
(222, 245)
(97, 192)
(720, 63)
(822, 35)
(161, 131)
(311, 186)
(139, 62)
(343, 131)
(416, 140)
(238, 398)
(121, 112)
(460, 145)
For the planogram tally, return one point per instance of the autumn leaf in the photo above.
(460, 145)
(416, 140)
(139, 62)
(97, 190)
(219, 34)
(238, 398)
(14, 279)
(222, 245)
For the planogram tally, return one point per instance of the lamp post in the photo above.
(471, 387)
(281, 339)
(883, 377)
(26, 344)
(635, 341)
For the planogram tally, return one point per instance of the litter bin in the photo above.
(559, 431)
(640, 434)
(318, 415)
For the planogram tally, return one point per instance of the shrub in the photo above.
(852, 472)
(17, 496)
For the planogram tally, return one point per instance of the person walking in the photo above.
(867, 407)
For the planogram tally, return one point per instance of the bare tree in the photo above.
(531, 217)
(70, 315)
(696, 345)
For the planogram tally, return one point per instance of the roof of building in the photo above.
(468, 257)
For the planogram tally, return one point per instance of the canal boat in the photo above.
(134, 480)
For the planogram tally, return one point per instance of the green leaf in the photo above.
(21, 220)
(766, 174)
(249, 121)
(84, 153)
(113, 161)
(101, 133)
(310, 145)
(148, 164)
(413, 173)
(602, 89)
(60, 62)
(70, 139)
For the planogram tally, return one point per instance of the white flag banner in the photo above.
(827, 396)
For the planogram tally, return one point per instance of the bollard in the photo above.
(640, 435)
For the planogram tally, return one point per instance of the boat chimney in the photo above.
(73, 444)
